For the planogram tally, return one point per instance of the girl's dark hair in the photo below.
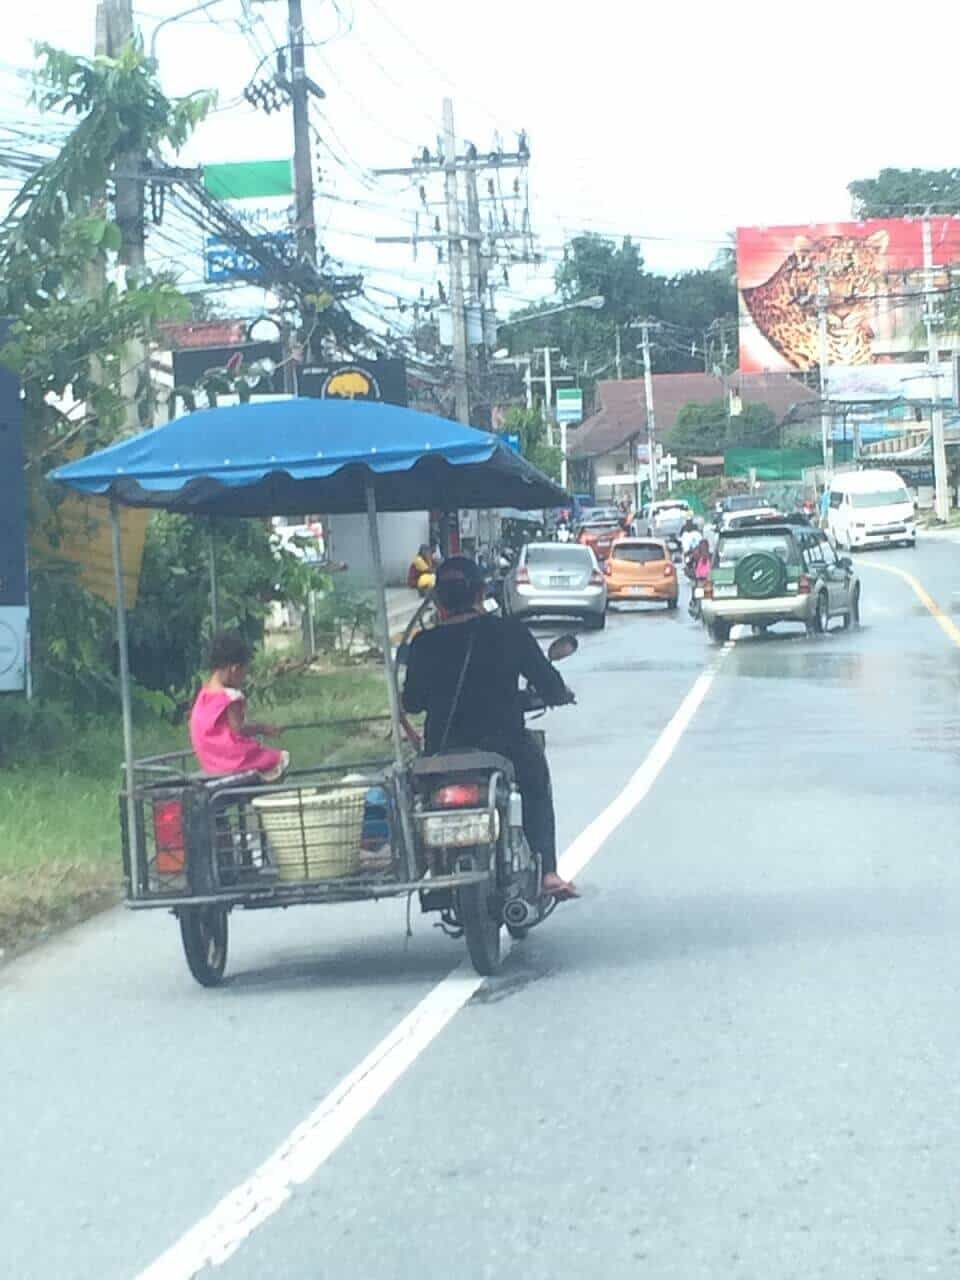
(229, 649)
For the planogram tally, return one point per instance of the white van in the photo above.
(871, 509)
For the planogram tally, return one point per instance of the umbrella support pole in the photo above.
(126, 702)
(214, 590)
(393, 688)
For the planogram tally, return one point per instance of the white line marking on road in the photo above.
(214, 1239)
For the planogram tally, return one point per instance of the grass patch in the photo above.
(59, 823)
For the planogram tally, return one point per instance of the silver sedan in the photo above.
(555, 579)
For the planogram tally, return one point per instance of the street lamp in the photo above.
(593, 303)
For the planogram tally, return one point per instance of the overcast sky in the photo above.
(673, 122)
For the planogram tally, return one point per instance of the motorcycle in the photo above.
(468, 821)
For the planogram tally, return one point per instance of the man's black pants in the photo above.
(533, 779)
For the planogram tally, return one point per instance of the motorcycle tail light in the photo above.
(463, 795)
(168, 835)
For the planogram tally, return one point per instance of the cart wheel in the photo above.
(204, 932)
(481, 929)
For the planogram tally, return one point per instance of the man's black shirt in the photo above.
(488, 710)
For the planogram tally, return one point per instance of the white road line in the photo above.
(214, 1239)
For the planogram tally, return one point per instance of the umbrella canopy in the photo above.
(293, 456)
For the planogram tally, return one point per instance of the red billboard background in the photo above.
(871, 276)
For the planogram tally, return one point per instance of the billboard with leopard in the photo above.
(867, 276)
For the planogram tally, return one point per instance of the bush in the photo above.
(171, 625)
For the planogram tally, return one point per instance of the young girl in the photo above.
(223, 740)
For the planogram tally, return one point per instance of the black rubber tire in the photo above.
(596, 622)
(852, 619)
(205, 934)
(672, 604)
(480, 929)
(821, 616)
(719, 631)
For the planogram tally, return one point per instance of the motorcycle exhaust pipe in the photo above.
(520, 914)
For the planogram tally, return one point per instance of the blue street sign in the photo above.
(224, 263)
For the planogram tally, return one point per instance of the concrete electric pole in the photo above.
(452, 237)
(115, 28)
(461, 392)
(651, 419)
(931, 319)
(826, 418)
(302, 158)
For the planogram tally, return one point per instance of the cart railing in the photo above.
(197, 836)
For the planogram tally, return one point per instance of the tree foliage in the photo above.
(528, 424)
(707, 428)
(689, 305)
(75, 321)
(894, 193)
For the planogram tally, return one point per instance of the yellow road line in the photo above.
(947, 624)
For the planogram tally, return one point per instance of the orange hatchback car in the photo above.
(641, 569)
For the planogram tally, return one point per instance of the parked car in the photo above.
(600, 535)
(641, 569)
(557, 579)
(871, 509)
(778, 571)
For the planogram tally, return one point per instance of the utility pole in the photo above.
(477, 274)
(651, 420)
(455, 257)
(618, 359)
(451, 238)
(306, 226)
(548, 392)
(826, 421)
(931, 319)
(114, 30)
(302, 159)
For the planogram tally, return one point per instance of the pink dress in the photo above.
(219, 748)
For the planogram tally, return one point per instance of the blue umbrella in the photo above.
(291, 456)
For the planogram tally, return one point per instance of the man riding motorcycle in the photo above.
(465, 674)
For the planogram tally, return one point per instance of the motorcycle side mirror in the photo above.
(563, 647)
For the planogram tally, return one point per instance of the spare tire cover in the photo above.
(760, 574)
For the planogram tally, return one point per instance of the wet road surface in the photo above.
(735, 1057)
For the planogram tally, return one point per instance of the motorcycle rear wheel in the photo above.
(481, 930)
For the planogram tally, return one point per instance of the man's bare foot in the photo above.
(556, 887)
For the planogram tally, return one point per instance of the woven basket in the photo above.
(314, 835)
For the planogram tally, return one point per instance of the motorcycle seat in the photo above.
(462, 762)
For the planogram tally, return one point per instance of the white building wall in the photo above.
(401, 533)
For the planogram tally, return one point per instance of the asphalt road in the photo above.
(735, 1058)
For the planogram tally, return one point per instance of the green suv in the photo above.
(778, 571)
